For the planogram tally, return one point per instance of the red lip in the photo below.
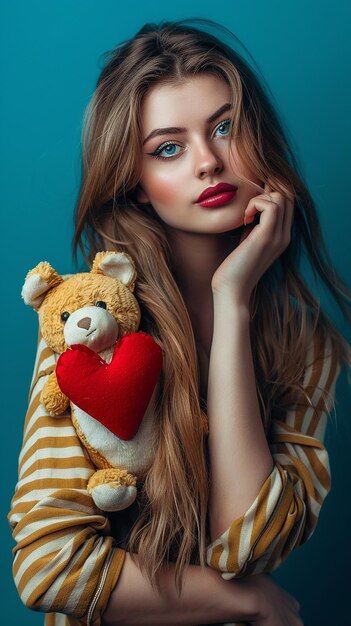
(216, 189)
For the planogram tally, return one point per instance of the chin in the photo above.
(228, 227)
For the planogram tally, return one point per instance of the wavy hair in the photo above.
(284, 313)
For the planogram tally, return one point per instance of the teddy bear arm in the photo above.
(52, 397)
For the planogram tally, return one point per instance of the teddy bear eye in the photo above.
(101, 304)
(64, 316)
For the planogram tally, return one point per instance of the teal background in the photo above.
(50, 56)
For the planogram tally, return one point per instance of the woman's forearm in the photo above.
(205, 598)
(240, 458)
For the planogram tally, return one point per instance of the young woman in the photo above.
(187, 168)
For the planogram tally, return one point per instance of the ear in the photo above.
(38, 282)
(116, 265)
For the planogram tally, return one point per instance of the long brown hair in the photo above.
(283, 310)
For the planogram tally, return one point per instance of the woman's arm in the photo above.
(267, 494)
(65, 560)
(206, 598)
(240, 458)
(284, 512)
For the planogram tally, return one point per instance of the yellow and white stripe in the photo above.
(66, 564)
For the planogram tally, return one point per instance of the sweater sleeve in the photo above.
(65, 560)
(285, 511)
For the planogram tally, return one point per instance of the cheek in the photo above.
(161, 189)
(250, 191)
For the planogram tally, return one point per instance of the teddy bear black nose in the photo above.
(84, 323)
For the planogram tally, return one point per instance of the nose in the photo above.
(208, 161)
(84, 323)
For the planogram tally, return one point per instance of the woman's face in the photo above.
(185, 130)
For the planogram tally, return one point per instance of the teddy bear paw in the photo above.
(112, 497)
(112, 489)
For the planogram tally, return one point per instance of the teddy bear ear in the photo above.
(38, 282)
(116, 265)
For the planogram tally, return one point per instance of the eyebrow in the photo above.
(175, 130)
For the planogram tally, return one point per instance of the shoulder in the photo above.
(45, 362)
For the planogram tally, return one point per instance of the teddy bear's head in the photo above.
(92, 308)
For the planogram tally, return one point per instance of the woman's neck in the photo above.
(196, 257)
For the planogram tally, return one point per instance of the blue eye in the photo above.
(166, 150)
(223, 129)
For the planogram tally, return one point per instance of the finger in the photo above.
(288, 193)
(276, 197)
(269, 189)
(271, 210)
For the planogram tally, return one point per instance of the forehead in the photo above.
(178, 103)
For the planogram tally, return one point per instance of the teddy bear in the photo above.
(106, 371)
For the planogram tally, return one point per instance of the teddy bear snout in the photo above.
(84, 323)
(91, 326)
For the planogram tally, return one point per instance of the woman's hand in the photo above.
(259, 246)
(277, 606)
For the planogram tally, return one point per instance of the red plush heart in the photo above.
(116, 394)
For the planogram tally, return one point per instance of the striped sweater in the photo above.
(66, 561)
